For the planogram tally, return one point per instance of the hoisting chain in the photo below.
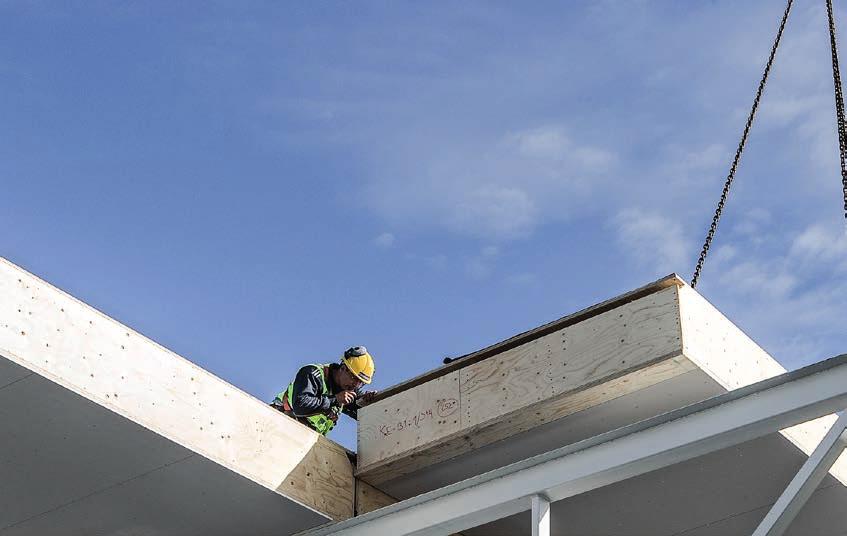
(839, 102)
(731, 176)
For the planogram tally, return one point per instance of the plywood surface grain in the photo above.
(596, 349)
(523, 420)
(60, 338)
(671, 280)
(546, 378)
(369, 498)
(424, 414)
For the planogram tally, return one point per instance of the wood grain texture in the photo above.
(731, 358)
(66, 341)
(369, 498)
(531, 416)
(423, 415)
(596, 349)
(545, 379)
(671, 280)
(512, 380)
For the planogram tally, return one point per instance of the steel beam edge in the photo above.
(723, 421)
(804, 483)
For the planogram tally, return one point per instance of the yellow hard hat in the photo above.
(360, 363)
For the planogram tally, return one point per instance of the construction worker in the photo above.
(320, 393)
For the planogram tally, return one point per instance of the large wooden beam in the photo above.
(51, 334)
(521, 338)
(622, 346)
(714, 426)
(551, 374)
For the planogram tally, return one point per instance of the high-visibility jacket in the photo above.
(321, 422)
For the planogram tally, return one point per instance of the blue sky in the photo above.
(260, 185)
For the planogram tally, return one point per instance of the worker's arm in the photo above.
(362, 397)
(307, 399)
(351, 410)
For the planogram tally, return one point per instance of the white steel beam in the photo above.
(540, 516)
(806, 481)
(720, 422)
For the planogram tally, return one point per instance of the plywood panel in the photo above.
(543, 379)
(512, 380)
(519, 421)
(369, 498)
(422, 415)
(671, 280)
(594, 350)
(70, 466)
(734, 360)
(56, 336)
(607, 344)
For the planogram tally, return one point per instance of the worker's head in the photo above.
(357, 368)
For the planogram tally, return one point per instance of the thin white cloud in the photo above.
(384, 240)
(819, 243)
(482, 265)
(723, 255)
(768, 280)
(552, 143)
(490, 251)
(493, 140)
(652, 239)
(437, 262)
(754, 222)
(791, 294)
(494, 187)
(492, 211)
(478, 268)
(522, 279)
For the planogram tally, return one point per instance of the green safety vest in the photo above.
(321, 422)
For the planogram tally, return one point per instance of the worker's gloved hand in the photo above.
(345, 397)
(366, 398)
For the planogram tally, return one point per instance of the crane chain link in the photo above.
(731, 176)
(839, 103)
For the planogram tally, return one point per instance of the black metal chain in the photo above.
(839, 103)
(731, 176)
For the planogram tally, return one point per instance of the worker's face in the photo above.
(348, 381)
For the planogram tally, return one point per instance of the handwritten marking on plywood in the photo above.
(523, 420)
(49, 332)
(420, 415)
(734, 360)
(599, 359)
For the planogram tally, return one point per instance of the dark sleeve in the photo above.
(307, 399)
(351, 410)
